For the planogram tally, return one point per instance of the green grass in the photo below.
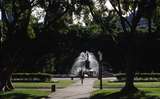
(59, 84)
(107, 84)
(64, 83)
(105, 92)
(33, 90)
(116, 94)
(151, 91)
(148, 90)
(24, 94)
(144, 93)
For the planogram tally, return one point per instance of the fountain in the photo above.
(85, 62)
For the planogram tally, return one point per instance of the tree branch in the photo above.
(119, 12)
(57, 17)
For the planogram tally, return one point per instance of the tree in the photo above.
(138, 8)
(15, 18)
(66, 37)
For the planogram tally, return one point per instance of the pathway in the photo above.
(76, 91)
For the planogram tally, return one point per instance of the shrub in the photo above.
(140, 76)
(31, 77)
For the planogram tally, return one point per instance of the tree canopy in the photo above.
(50, 34)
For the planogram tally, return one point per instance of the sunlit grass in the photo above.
(144, 93)
(107, 84)
(105, 92)
(59, 84)
(148, 90)
(151, 91)
(24, 94)
(33, 90)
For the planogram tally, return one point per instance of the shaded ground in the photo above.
(148, 90)
(21, 96)
(34, 90)
(120, 95)
(76, 91)
(24, 94)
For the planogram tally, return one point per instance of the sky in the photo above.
(0, 15)
(40, 14)
(108, 4)
(80, 21)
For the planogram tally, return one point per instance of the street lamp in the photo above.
(100, 68)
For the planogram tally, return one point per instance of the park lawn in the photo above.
(24, 94)
(33, 90)
(151, 91)
(59, 84)
(104, 91)
(107, 84)
(145, 93)
(148, 90)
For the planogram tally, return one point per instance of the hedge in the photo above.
(31, 77)
(140, 76)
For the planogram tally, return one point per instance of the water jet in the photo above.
(87, 63)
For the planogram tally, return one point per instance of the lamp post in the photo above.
(81, 75)
(100, 68)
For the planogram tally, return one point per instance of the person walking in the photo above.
(81, 76)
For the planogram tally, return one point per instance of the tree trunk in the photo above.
(149, 25)
(129, 84)
(16, 32)
(130, 69)
(9, 82)
(2, 85)
(6, 85)
(5, 81)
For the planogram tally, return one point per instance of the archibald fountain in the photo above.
(86, 62)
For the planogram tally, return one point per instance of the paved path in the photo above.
(75, 91)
